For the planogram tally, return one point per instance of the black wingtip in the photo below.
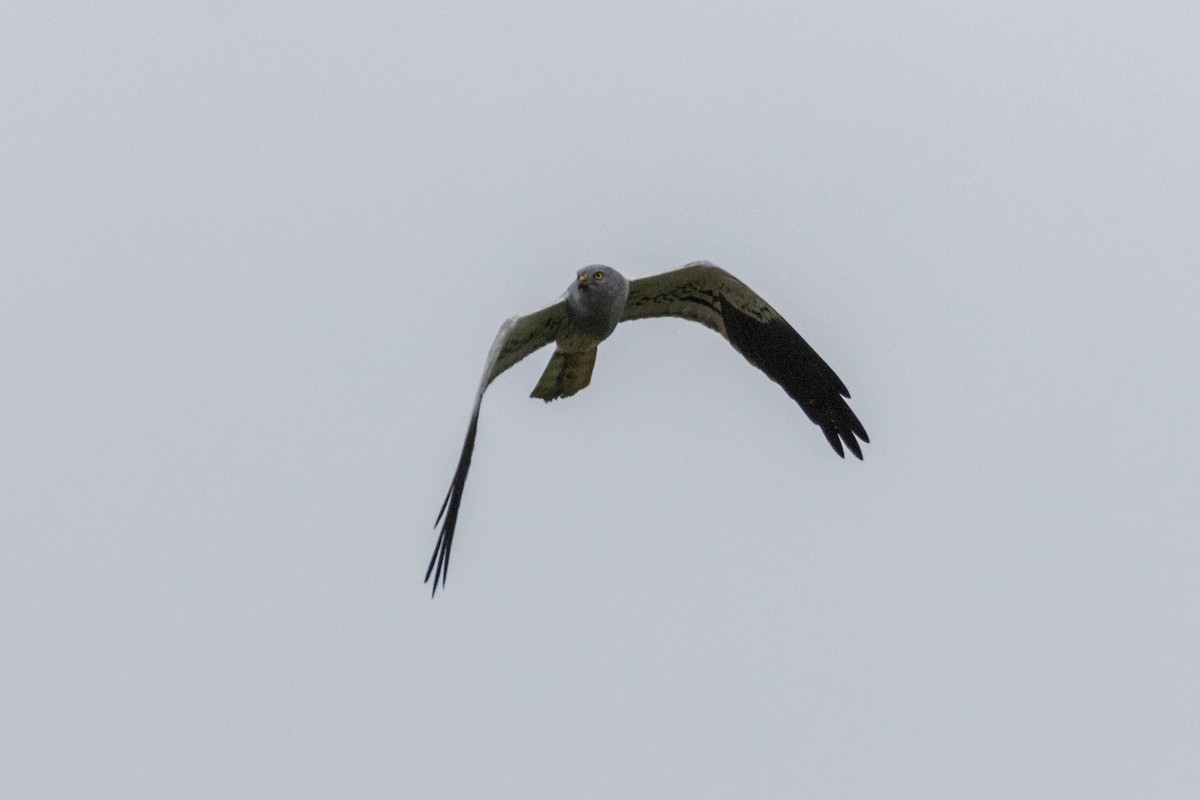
(834, 440)
(852, 443)
(445, 503)
(841, 440)
(857, 430)
(438, 578)
(439, 562)
(773, 346)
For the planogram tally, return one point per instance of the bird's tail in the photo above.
(565, 375)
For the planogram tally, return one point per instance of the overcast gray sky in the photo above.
(252, 261)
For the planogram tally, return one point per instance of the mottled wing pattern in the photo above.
(517, 338)
(707, 294)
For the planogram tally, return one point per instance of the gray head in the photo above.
(596, 300)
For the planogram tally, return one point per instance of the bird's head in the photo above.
(594, 275)
(597, 282)
(596, 298)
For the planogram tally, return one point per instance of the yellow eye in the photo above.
(599, 276)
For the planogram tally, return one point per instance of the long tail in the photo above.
(565, 375)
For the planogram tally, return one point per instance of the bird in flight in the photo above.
(598, 300)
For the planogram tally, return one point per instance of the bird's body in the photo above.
(593, 305)
(601, 298)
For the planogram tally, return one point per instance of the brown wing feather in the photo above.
(707, 294)
(517, 338)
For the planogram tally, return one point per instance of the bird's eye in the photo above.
(599, 276)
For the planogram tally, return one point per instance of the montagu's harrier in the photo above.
(599, 299)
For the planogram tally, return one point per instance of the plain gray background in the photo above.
(252, 261)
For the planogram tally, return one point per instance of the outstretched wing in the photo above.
(518, 337)
(707, 294)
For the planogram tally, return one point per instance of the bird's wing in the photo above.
(518, 337)
(707, 294)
